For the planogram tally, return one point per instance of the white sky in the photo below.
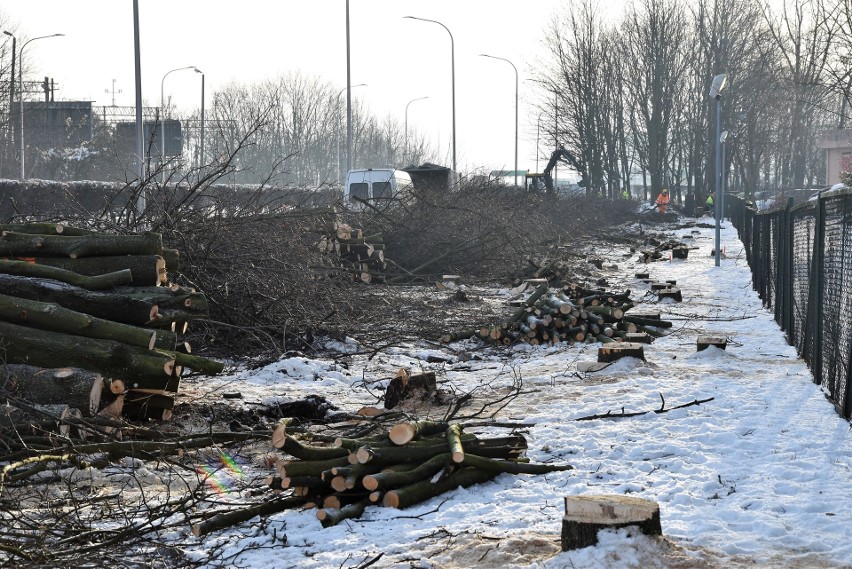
(250, 40)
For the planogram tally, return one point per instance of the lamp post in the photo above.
(201, 138)
(163, 120)
(348, 159)
(723, 139)
(453, 67)
(405, 158)
(516, 109)
(716, 90)
(21, 87)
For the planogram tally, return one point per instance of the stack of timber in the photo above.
(361, 255)
(572, 314)
(81, 310)
(411, 463)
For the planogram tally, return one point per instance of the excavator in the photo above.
(536, 181)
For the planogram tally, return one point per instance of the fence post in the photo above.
(813, 326)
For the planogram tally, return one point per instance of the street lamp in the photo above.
(453, 67)
(716, 90)
(516, 109)
(723, 139)
(163, 120)
(201, 141)
(348, 163)
(405, 158)
(21, 87)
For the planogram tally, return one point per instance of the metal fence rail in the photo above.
(801, 262)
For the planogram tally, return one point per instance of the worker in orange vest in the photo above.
(662, 202)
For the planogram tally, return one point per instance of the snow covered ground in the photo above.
(761, 476)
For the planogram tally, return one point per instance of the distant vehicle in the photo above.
(374, 185)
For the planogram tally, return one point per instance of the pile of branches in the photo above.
(411, 463)
(483, 229)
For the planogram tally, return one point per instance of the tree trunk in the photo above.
(586, 515)
(26, 269)
(50, 316)
(140, 368)
(14, 244)
(424, 490)
(146, 270)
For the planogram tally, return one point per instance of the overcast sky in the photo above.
(247, 41)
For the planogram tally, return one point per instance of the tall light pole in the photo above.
(716, 90)
(516, 109)
(201, 141)
(453, 67)
(21, 87)
(723, 139)
(163, 119)
(348, 160)
(405, 158)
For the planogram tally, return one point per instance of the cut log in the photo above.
(705, 341)
(522, 311)
(424, 490)
(234, 517)
(146, 270)
(638, 337)
(617, 350)
(57, 386)
(44, 229)
(106, 305)
(393, 478)
(332, 516)
(586, 515)
(403, 433)
(50, 316)
(14, 244)
(140, 405)
(647, 321)
(454, 434)
(498, 447)
(98, 282)
(140, 367)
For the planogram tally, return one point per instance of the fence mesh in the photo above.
(801, 262)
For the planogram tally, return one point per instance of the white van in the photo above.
(375, 185)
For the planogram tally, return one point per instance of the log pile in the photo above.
(79, 306)
(572, 314)
(411, 463)
(361, 255)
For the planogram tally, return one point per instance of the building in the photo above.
(837, 145)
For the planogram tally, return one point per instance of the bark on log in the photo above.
(512, 467)
(146, 270)
(332, 516)
(141, 368)
(424, 490)
(586, 515)
(14, 244)
(198, 363)
(98, 282)
(291, 468)
(106, 305)
(454, 433)
(522, 311)
(51, 316)
(403, 433)
(647, 321)
(234, 517)
(44, 386)
(45, 228)
(393, 478)
(499, 447)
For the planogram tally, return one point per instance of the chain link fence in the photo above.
(801, 262)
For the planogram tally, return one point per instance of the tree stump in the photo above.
(451, 281)
(680, 252)
(659, 285)
(405, 386)
(617, 350)
(639, 337)
(705, 341)
(586, 515)
(671, 292)
(642, 276)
